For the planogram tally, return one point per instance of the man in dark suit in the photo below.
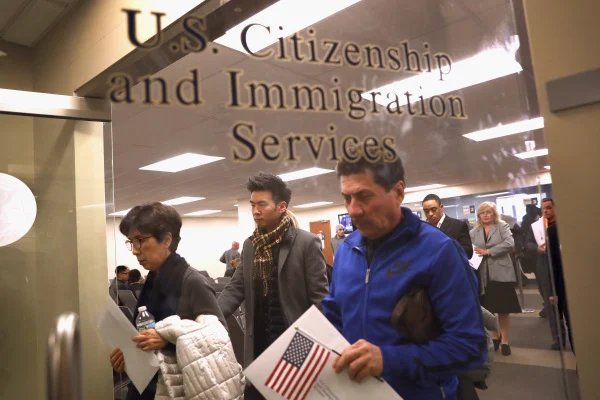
(455, 229)
(282, 271)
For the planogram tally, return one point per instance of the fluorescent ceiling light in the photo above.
(317, 204)
(547, 167)
(506, 130)
(120, 213)
(181, 162)
(291, 15)
(485, 66)
(424, 187)
(493, 194)
(200, 213)
(235, 205)
(182, 200)
(450, 206)
(304, 173)
(532, 153)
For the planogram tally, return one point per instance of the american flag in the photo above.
(298, 369)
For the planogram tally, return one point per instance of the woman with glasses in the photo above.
(493, 241)
(185, 310)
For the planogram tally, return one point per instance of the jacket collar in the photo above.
(406, 229)
(285, 246)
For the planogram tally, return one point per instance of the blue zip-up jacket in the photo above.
(361, 300)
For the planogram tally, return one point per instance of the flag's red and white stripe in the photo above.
(295, 383)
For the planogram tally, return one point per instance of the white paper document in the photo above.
(117, 331)
(475, 261)
(296, 367)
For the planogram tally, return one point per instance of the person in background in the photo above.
(174, 291)
(543, 273)
(119, 282)
(494, 242)
(391, 254)
(228, 256)
(338, 238)
(282, 273)
(455, 229)
(136, 282)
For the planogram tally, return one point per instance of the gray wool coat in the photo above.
(302, 282)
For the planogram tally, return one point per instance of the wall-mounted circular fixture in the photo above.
(18, 209)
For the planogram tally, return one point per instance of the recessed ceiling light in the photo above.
(493, 194)
(485, 66)
(506, 130)
(547, 167)
(182, 200)
(120, 213)
(200, 213)
(424, 187)
(532, 153)
(304, 173)
(316, 204)
(291, 15)
(181, 162)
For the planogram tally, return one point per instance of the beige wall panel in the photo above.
(561, 34)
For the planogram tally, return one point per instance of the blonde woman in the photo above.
(493, 241)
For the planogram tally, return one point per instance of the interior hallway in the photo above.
(533, 371)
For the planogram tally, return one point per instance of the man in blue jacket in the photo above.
(391, 252)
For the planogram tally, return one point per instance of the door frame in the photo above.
(35, 104)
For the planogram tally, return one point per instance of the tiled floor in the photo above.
(533, 371)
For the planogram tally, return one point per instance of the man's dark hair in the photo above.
(545, 199)
(119, 269)
(264, 182)
(385, 173)
(134, 276)
(432, 196)
(154, 219)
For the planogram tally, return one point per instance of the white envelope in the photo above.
(117, 331)
(269, 368)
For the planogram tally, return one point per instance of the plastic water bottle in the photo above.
(144, 320)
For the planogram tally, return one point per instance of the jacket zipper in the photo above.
(443, 392)
(365, 302)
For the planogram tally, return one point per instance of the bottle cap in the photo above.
(142, 308)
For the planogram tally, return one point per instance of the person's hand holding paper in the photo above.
(363, 359)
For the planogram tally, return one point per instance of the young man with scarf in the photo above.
(282, 272)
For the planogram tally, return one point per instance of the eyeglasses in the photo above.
(136, 243)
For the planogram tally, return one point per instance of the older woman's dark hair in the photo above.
(385, 173)
(154, 219)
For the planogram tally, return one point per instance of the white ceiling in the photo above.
(433, 150)
(24, 22)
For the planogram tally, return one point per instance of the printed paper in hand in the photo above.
(296, 367)
(475, 261)
(117, 331)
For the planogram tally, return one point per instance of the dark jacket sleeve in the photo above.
(464, 239)
(556, 259)
(233, 295)
(222, 259)
(199, 298)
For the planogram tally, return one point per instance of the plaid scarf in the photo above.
(263, 247)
